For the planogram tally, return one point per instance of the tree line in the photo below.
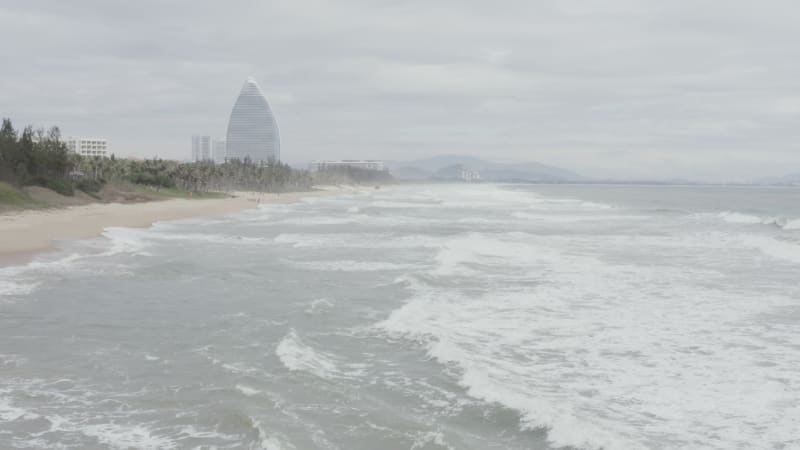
(39, 157)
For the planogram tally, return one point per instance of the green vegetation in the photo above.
(11, 196)
(347, 175)
(39, 158)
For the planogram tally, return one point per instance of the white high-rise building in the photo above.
(218, 150)
(252, 129)
(87, 146)
(201, 148)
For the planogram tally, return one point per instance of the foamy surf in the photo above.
(297, 356)
(781, 222)
(417, 317)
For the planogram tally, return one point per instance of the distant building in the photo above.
(252, 129)
(201, 148)
(470, 175)
(87, 146)
(367, 164)
(218, 150)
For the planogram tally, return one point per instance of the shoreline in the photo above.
(28, 233)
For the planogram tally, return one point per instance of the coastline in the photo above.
(26, 233)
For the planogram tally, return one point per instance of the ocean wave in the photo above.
(396, 204)
(13, 287)
(297, 356)
(248, 390)
(487, 377)
(785, 223)
(132, 240)
(354, 266)
(321, 220)
(22, 280)
(268, 440)
(318, 306)
(569, 218)
(112, 434)
(473, 253)
(125, 240)
(127, 436)
(604, 355)
(355, 240)
(776, 248)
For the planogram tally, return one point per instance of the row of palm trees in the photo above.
(205, 176)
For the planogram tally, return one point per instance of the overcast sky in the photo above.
(618, 88)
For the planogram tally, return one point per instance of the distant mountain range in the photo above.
(791, 179)
(447, 167)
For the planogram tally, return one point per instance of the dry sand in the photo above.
(23, 233)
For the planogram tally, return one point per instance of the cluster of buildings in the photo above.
(469, 175)
(206, 148)
(252, 131)
(253, 134)
(367, 164)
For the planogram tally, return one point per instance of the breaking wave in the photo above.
(297, 356)
(748, 219)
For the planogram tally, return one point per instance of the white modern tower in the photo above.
(252, 129)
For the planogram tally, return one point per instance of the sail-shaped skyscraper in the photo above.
(252, 129)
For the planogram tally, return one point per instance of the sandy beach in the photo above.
(24, 233)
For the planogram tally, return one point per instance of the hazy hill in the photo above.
(489, 170)
(791, 179)
(411, 173)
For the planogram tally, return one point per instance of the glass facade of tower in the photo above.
(252, 129)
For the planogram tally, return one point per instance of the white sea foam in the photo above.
(473, 253)
(354, 266)
(125, 240)
(613, 355)
(10, 413)
(321, 220)
(194, 433)
(75, 419)
(548, 217)
(391, 204)
(426, 439)
(270, 441)
(319, 305)
(297, 356)
(248, 390)
(12, 288)
(776, 248)
(785, 223)
(133, 240)
(127, 436)
(23, 280)
(354, 240)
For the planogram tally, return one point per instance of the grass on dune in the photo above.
(166, 193)
(10, 197)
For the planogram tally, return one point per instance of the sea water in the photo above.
(419, 317)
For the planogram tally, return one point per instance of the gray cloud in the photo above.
(623, 88)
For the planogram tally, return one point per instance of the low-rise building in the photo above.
(87, 146)
(366, 164)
